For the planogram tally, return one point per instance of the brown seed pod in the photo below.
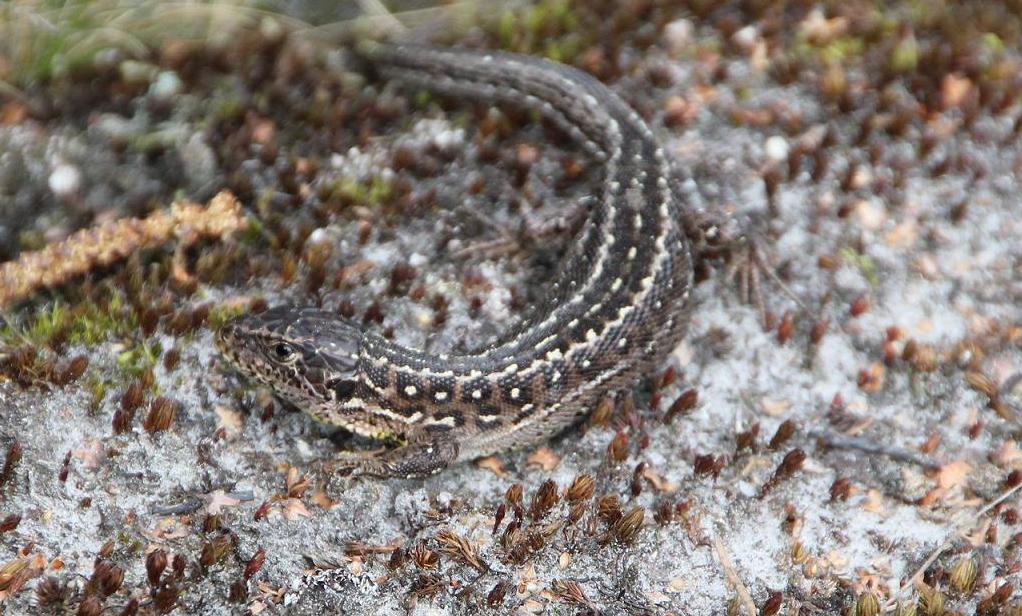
(9, 523)
(784, 432)
(11, 461)
(785, 329)
(423, 557)
(773, 603)
(90, 606)
(155, 563)
(576, 511)
(496, 595)
(513, 496)
(498, 517)
(171, 359)
(617, 450)
(238, 592)
(254, 564)
(106, 578)
(841, 489)
(682, 405)
(455, 546)
(165, 598)
(571, 593)
(747, 439)
(602, 413)
(51, 591)
(215, 550)
(581, 489)
(544, 500)
(72, 371)
(625, 529)
(664, 513)
(162, 411)
(397, 559)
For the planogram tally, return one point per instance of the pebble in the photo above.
(678, 36)
(65, 180)
(746, 38)
(167, 85)
(776, 148)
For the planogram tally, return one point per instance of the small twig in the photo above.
(947, 542)
(194, 504)
(733, 579)
(835, 440)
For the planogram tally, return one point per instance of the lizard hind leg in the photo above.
(421, 457)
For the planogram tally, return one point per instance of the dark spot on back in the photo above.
(507, 385)
(406, 380)
(481, 383)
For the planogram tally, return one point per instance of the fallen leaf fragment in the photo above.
(293, 508)
(544, 458)
(492, 464)
(217, 500)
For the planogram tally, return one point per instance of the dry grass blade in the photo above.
(568, 591)
(736, 582)
(455, 546)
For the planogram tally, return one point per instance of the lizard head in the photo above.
(309, 357)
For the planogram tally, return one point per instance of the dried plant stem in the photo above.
(109, 242)
(732, 577)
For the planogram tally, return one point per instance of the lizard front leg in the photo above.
(424, 454)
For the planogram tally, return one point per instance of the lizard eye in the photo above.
(283, 351)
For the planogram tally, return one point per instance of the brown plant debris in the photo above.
(109, 242)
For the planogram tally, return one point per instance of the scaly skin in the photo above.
(619, 306)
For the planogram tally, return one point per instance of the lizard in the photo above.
(618, 307)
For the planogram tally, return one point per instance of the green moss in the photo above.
(97, 324)
(564, 49)
(252, 233)
(369, 193)
(548, 27)
(48, 324)
(864, 263)
(228, 107)
(218, 315)
(86, 323)
(97, 389)
(140, 358)
(422, 98)
(993, 43)
(31, 239)
(905, 55)
(841, 49)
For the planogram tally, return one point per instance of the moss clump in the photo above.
(371, 193)
(218, 315)
(87, 323)
(549, 27)
(140, 358)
